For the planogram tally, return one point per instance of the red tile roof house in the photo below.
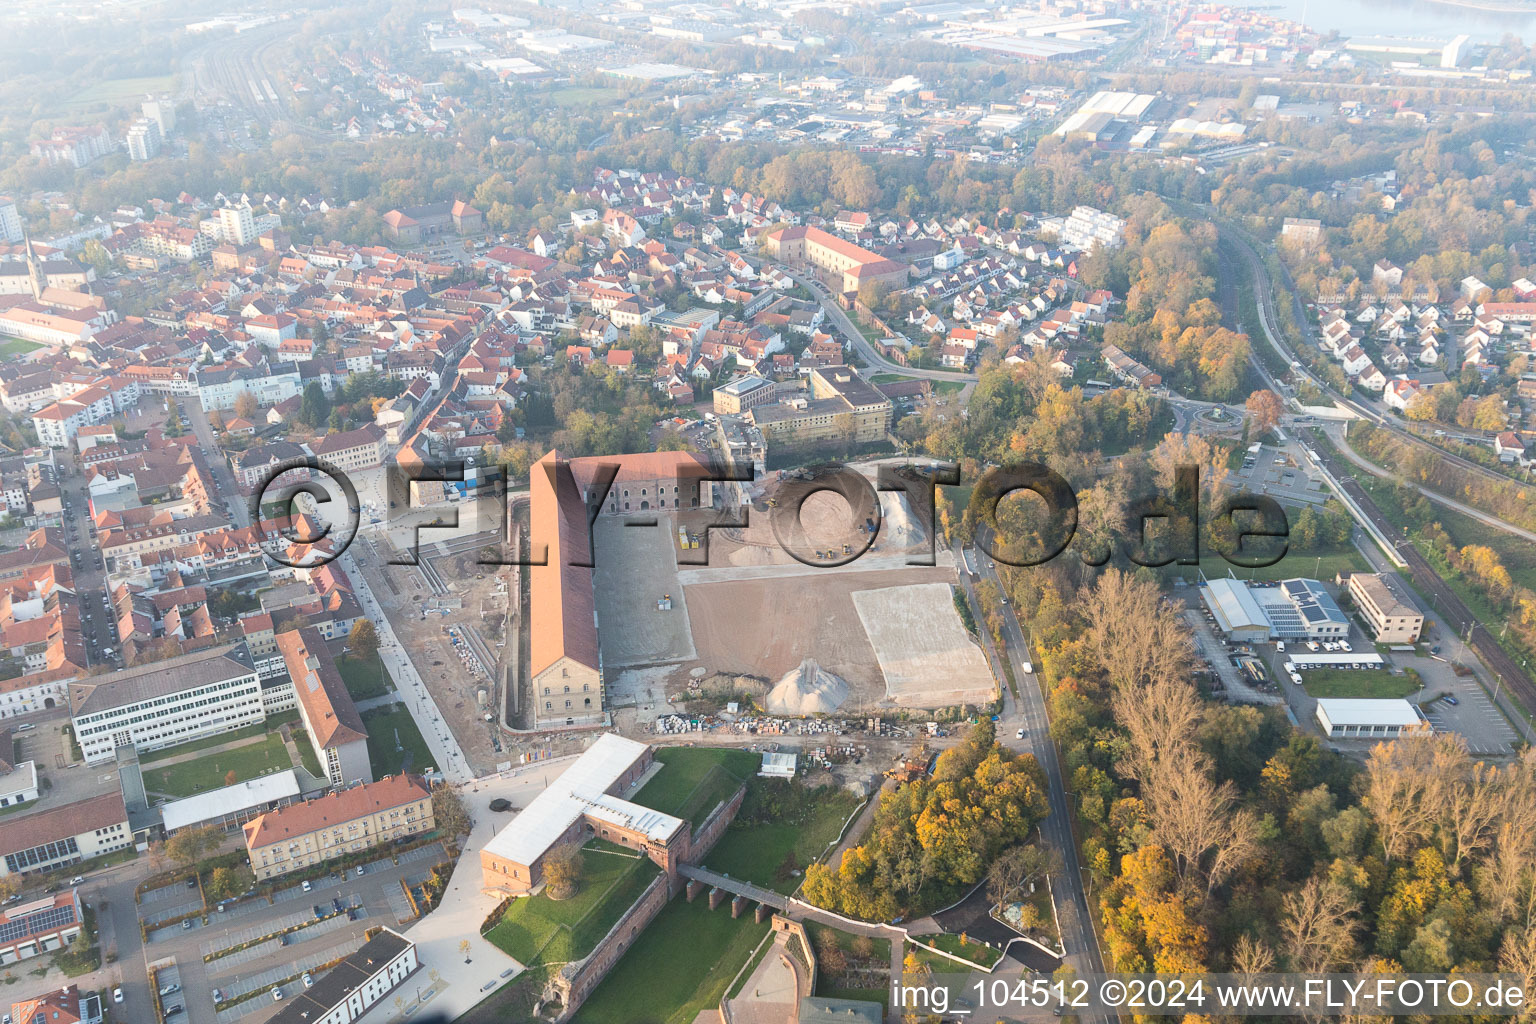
(1509, 447)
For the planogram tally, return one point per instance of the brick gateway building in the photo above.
(585, 802)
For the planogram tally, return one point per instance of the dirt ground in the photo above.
(826, 520)
(765, 627)
(927, 657)
(452, 680)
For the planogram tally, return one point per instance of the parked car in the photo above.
(77, 880)
(277, 994)
(192, 882)
(361, 871)
(307, 886)
(1020, 734)
(117, 994)
(308, 981)
(186, 923)
(170, 990)
(218, 996)
(172, 1010)
(1452, 701)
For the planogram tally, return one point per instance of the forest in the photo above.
(934, 838)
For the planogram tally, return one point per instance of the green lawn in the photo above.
(681, 966)
(364, 679)
(695, 779)
(202, 774)
(394, 742)
(307, 755)
(974, 951)
(539, 930)
(756, 851)
(121, 91)
(1325, 567)
(13, 347)
(246, 733)
(1344, 682)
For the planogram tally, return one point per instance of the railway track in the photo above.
(1427, 580)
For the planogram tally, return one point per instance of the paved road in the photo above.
(861, 345)
(193, 414)
(1073, 910)
(408, 683)
(86, 563)
(1352, 457)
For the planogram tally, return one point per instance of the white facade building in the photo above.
(359, 982)
(166, 703)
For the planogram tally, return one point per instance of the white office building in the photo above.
(165, 703)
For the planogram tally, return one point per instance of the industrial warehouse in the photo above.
(1295, 609)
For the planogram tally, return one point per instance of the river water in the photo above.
(1419, 19)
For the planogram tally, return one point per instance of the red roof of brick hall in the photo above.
(560, 593)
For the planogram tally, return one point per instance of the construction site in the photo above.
(881, 633)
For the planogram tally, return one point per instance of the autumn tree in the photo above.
(1264, 411)
(448, 811)
(191, 845)
(363, 640)
(227, 883)
(1015, 870)
(246, 406)
(563, 870)
(1318, 923)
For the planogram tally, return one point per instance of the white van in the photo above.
(1313, 645)
(1280, 646)
(1344, 645)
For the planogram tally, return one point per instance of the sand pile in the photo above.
(807, 690)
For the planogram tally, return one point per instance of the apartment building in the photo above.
(304, 834)
(143, 139)
(330, 718)
(164, 703)
(63, 836)
(1386, 608)
(362, 448)
(74, 146)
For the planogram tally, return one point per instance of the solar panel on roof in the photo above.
(44, 921)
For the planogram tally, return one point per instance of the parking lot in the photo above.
(348, 905)
(1278, 474)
